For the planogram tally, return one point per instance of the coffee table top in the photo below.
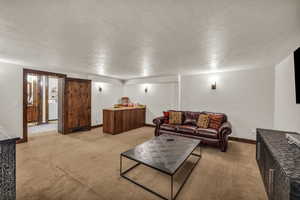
(165, 153)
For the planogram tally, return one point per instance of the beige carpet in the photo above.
(85, 166)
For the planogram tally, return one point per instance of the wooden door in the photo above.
(34, 107)
(73, 104)
(78, 104)
(85, 107)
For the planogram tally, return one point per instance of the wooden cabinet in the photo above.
(123, 119)
(8, 168)
(77, 105)
(32, 114)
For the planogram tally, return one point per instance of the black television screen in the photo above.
(297, 74)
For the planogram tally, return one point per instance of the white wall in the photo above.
(11, 100)
(11, 104)
(286, 112)
(247, 97)
(110, 95)
(162, 95)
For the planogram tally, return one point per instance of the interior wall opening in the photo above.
(42, 103)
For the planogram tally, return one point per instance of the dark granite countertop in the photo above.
(287, 155)
(6, 139)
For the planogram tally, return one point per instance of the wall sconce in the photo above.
(214, 85)
(100, 89)
(146, 89)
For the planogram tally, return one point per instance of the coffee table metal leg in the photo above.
(171, 187)
(120, 164)
(123, 174)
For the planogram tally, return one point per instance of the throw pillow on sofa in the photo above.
(166, 116)
(215, 121)
(203, 121)
(175, 117)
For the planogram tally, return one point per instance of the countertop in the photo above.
(4, 137)
(124, 108)
(287, 155)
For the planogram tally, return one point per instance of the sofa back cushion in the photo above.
(213, 113)
(191, 115)
(203, 121)
(190, 118)
(175, 117)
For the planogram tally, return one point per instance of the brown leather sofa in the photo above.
(207, 136)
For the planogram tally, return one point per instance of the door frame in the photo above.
(26, 72)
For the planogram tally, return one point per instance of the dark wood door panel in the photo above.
(118, 121)
(33, 110)
(78, 101)
(85, 107)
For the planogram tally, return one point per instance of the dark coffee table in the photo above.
(165, 153)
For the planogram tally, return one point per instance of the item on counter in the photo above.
(118, 106)
(293, 139)
(125, 101)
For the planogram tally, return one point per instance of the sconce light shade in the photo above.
(214, 86)
(100, 89)
(146, 90)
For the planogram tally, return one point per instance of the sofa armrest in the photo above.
(158, 121)
(225, 129)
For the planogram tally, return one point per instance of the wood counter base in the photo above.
(118, 120)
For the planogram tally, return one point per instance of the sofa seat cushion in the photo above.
(209, 133)
(169, 127)
(187, 129)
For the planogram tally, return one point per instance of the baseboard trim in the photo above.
(150, 125)
(21, 141)
(97, 126)
(249, 141)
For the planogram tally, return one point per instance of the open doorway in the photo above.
(42, 102)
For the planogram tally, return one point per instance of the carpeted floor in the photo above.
(85, 166)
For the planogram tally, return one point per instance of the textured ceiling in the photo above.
(136, 38)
